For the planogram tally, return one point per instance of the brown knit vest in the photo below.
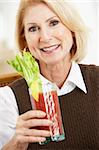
(80, 113)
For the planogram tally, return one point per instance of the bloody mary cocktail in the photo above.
(49, 103)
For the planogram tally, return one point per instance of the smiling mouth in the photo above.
(50, 48)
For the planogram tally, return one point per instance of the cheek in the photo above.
(33, 51)
(60, 33)
(31, 40)
(30, 43)
(64, 34)
(67, 39)
(28, 39)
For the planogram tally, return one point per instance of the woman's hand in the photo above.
(26, 131)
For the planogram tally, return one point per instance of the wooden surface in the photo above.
(8, 78)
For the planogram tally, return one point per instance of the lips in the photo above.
(50, 48)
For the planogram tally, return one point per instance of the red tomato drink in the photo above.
(49, 103)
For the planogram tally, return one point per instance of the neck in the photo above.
(56, 73)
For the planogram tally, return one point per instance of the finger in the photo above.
(33, 114)
(37, 122)
(34, 132)
(29, 139)
(33, 123)
(35, 139)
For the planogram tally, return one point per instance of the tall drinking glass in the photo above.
(49, 103)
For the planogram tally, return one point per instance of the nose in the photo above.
(45, 35)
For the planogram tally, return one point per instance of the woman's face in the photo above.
(47, 38)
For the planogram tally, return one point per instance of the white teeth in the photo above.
(50, 48)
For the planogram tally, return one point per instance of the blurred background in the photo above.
(89, 10)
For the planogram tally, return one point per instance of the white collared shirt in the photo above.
(74, 79)
(8, 106)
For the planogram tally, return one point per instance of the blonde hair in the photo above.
(69, 17)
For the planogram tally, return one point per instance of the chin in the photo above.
(53, 61)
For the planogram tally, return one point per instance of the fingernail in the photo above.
(50, 133)
(44, 113)
(43, 139)
(51, 123)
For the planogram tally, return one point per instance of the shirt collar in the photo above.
(75, 77)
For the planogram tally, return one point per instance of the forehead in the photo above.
(38, 12)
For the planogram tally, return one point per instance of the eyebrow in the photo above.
(50, 18)
(45, 21)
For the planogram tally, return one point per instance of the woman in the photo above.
(56, 36)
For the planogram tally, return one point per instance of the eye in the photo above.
(33, 29)
(54, 22)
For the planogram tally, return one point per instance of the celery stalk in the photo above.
(28, 68)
